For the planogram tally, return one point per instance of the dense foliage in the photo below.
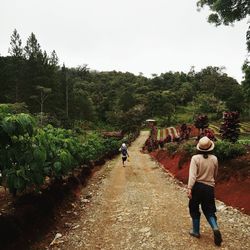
(226, 150)
(29, 154)
(227, 12)
(230, 127)
(184, 132)
(201, 122)
(61, 96)
(39, 89)
(172, 147)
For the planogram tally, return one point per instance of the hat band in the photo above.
(206, 148)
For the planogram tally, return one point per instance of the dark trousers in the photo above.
(203, 195)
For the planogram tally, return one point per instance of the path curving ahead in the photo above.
(142, 207)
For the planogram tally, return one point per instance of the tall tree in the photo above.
(16, 49)
(32, 48)
(41, 98)
(41, 70)
(53, 60)
(208, 103)
(246, 86)
(127, 100)
(82, 107)
(65, 86)
(16, 52)
(236, 101)
(227, 12)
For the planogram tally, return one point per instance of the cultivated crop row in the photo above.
(29, 155)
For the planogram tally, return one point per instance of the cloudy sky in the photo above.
(148, 36)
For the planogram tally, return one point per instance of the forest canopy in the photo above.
(33, 78)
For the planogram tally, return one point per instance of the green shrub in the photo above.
(29, 154)
(112, 145)
(226, 150)
(189, 148)
(244, 142)
(13, 108)
(5, 109)
(171, 147)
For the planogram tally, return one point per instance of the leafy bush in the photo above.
(184, 132)
(16, 150)
(186, 147)
(230, 127)
(112, 145)
(15, 125)
(62, 149)
(4, 109)
(172, 147)
(226, 150)
(189, 148)
(93, 148)
(244, 142)
(201, 122)
(15, 108)
(28, 154)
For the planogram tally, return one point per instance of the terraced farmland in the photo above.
(244, 128)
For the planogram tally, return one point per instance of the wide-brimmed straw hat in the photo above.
(205, 144)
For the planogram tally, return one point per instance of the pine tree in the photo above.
(16, 52)
(16, 49)
(32, 48)
(53, 60)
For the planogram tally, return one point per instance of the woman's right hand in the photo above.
(189, 193)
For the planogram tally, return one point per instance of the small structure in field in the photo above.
(116, 134)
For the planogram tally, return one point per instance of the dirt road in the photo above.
(141, 207)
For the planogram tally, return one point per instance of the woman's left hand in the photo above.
(189, 193)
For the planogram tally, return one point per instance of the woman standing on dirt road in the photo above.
(124, 152)
(202, 173)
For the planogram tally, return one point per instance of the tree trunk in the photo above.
(42, 108)
(67, 100)
(16, 92)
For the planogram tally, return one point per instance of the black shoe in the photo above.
(217, 237)
(194, 234)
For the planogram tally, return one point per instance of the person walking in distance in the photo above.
(124, 152)
(202, 173)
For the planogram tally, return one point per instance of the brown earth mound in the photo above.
(233, 184)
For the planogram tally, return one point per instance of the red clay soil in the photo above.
(233, 184)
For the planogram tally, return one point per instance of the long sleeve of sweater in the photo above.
(203, 170)
(192, 173)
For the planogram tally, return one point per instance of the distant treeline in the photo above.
(31, 76)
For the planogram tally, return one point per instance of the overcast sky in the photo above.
(148, 36)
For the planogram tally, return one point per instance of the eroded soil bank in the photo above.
(233, 184)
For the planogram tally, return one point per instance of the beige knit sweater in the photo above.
(203, 170)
